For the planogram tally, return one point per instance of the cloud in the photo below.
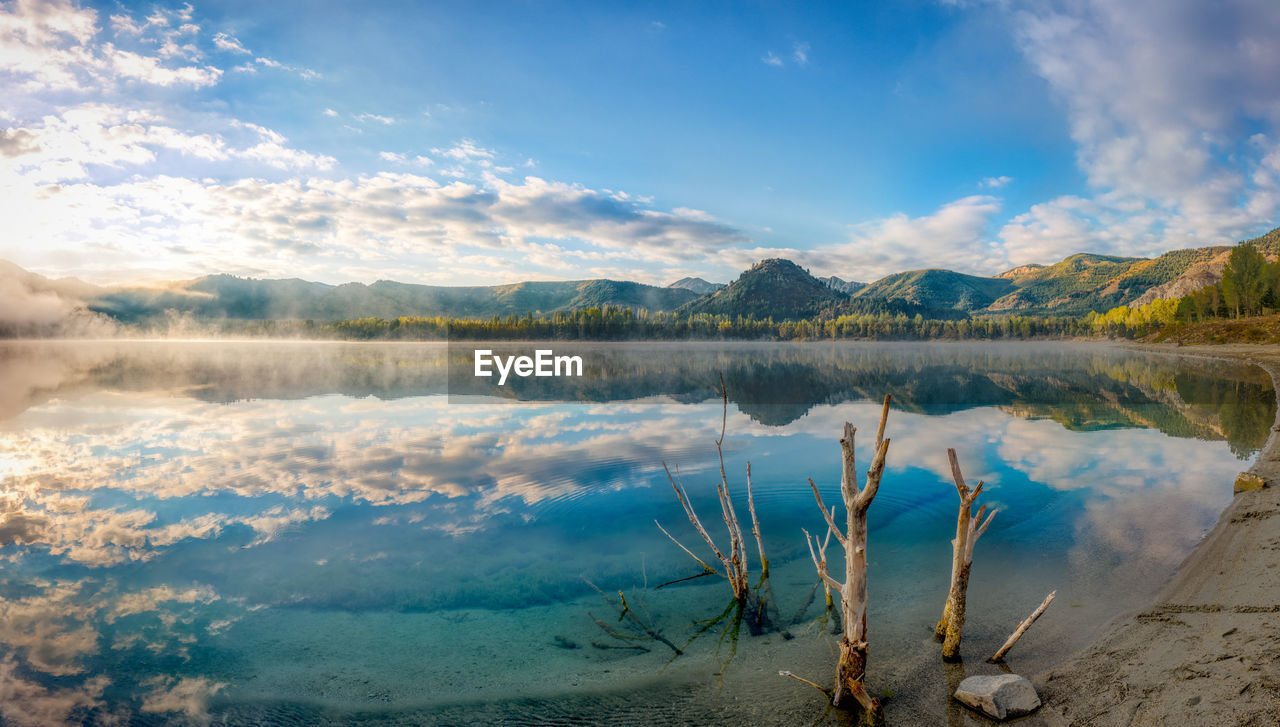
(995, 182)
(800, 54)
(54, 45)
(1159, 96)
(186, 695)
(465, 150)
(30, 704)
(229, 43)
(771, 59)
(306, 73)
(70, 145)
(256, 220)
(953, 236)
(33, 306)
(367, 117)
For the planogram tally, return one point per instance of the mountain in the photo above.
(33, 305)
(774, 288)
(938, 289)
(1198, 274)
(697, 285)
(848, 287)
(69, 288)
(1020, 270)
(227, 296)
(1205, 268)
(1086, 282)
(1075, 286)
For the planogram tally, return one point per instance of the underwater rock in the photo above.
(1000, 697)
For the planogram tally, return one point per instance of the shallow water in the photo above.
(278, 533)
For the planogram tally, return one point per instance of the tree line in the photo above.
(610, 323)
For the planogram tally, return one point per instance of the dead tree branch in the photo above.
(1022, 628)
(851, 667)
(969, 528)
(734, 558)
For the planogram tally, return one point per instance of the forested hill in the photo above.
(772, 289)
(226, 296)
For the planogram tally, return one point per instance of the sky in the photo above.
(476, 143)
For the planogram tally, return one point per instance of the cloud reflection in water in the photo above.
(144, 519)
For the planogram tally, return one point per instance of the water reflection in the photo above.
(189, 530)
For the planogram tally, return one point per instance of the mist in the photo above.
(35, 307)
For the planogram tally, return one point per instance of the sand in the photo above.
(1207, 651)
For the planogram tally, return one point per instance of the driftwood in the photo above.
(1022, 629)
(852, 665)
(950, 627)
(645, 631)
(734, 563)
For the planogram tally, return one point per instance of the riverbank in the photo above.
(1207, 651)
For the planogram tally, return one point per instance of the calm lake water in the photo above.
(295, 533)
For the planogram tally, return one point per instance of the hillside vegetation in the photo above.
(940, 289)
(226, 296)
(1082, 285)
(1254, 329)
(774, 288)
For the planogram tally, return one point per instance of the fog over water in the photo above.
(304, 532)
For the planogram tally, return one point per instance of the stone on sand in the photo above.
(1249, 481)
(999, 697)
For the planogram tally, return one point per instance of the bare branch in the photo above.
(849, 472)
(830, 516)
(724, 410)
(708, 568)
(956, 475)
(755, 525)
(983, 528)
(1022, 629)
(868, 493)
(825, 691)
(697, 524)
(884, 417)
(820, 563)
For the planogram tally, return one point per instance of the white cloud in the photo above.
(229, 43)
(800, 54)
(185, 695)
(330, 113)
(995, 182)
(367, 117)
(771, 59)
(306, 73)
(953, 236)
(52, 45)
(1158, 93)
(129, 65)
(126, 25)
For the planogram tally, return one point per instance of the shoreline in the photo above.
(1207, 649)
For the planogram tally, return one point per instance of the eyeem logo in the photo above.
(544, 362)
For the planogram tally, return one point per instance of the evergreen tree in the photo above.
(1245, 280)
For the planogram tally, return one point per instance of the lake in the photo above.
(315, 533)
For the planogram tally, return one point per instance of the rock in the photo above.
(1000, 697)
(1249, 481)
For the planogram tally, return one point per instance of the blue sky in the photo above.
(478, 143)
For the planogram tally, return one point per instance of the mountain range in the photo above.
(774, 288)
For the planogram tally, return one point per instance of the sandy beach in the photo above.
(1207, 650)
